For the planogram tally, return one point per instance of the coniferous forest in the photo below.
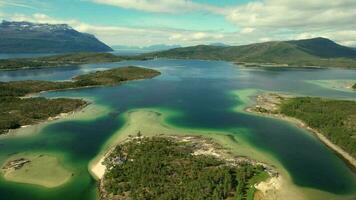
(333, 118)
(161, 168)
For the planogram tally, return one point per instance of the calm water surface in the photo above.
(201, 90)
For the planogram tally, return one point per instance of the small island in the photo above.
(17, 111)
(178, 167)
(332, 121)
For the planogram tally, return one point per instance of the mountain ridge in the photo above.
(27, 37)
(308, 52)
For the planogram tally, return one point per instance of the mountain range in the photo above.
(26, 37)
(309, 52)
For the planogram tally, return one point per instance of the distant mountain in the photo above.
(26, 37)
(310, 52)
(323, 47)
(151, 48)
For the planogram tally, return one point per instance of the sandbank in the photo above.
(40, 169)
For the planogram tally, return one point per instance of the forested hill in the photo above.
(26, 37)
(309, 52)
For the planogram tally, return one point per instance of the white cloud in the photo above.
(28, 4)
(247, 30)
(15, 4)
(161, 6)
(297, 19)
(294, 14)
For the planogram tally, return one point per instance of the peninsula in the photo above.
(17, 111)
(336, 130)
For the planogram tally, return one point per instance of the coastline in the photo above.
(344, 85)
(49, 119)
(89, 112)
(301, 124)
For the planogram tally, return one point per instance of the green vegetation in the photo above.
(163, 168)
(354, 86)
(336, 119)
(312, 52)
(16, 112)
(59, 60)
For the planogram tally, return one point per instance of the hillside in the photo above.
(310, 52)
(26, 37)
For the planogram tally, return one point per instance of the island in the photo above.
(16, 110)
(332, 121)
(178, 167)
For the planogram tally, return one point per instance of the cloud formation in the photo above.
(161, 6)
(328, 18)
(267, 19)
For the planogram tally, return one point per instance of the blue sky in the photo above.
(190, 22)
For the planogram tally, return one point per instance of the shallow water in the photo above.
(202, 92)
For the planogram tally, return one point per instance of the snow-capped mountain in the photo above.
(27, 37)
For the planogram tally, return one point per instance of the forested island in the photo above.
(16, 111)
(172, 167)
(333, 119)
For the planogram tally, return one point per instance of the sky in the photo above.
(192, 22)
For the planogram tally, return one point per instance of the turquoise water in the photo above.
(201, 91)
